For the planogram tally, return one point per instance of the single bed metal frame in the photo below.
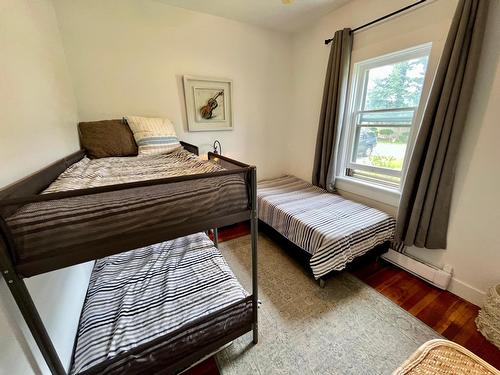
(303, 257)
(27, 191)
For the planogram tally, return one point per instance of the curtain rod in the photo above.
(328, 41)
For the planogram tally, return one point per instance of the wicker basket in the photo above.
(488, 320)
(444, 357)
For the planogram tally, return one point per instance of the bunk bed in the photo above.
(72, 212)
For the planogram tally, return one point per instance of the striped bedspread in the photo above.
(332, 229)
(88, 173)
(100, 222)
(140, 295)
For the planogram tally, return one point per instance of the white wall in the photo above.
(38, 110)
(37, 126)
(128, 57)
(473, 244)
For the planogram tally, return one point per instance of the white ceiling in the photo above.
(272, 14)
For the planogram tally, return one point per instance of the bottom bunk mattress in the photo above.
(153, 306)
(334, 230)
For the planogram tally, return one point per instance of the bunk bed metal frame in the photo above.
(28, 191)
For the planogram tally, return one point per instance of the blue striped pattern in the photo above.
(158, 141)
(153, 135)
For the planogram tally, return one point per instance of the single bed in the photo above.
(331, 229)
(137, 297)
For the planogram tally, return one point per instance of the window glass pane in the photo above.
(386, 118)
(383, 147)
(382, 121)
(377, 177)
(396, 85)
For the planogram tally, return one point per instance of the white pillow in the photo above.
(153, 135)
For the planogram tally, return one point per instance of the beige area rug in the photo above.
(345, 328)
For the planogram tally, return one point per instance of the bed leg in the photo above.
(255, 334)
(30, 313)
(321, 282)
(216, 237)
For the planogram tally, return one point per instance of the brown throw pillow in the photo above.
(107, 138)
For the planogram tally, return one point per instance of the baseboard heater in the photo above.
(433, 275)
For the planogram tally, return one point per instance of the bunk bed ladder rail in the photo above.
(25, 303)
(254, 233)
(251, 181)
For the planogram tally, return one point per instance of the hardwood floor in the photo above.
(207, 367)
(446, 313)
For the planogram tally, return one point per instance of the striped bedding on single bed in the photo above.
(332, 229)
(140, 295)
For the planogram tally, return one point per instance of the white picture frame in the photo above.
(209, 103)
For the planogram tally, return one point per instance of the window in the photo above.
(383, 114)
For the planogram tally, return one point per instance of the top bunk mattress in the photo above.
(52, 234)
(334, 230)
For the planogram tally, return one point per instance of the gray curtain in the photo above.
(332, 110)
(425, 202)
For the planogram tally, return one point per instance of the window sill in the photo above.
(378, 193)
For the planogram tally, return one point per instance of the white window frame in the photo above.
(356, 97)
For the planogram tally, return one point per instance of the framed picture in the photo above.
(208, 103)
